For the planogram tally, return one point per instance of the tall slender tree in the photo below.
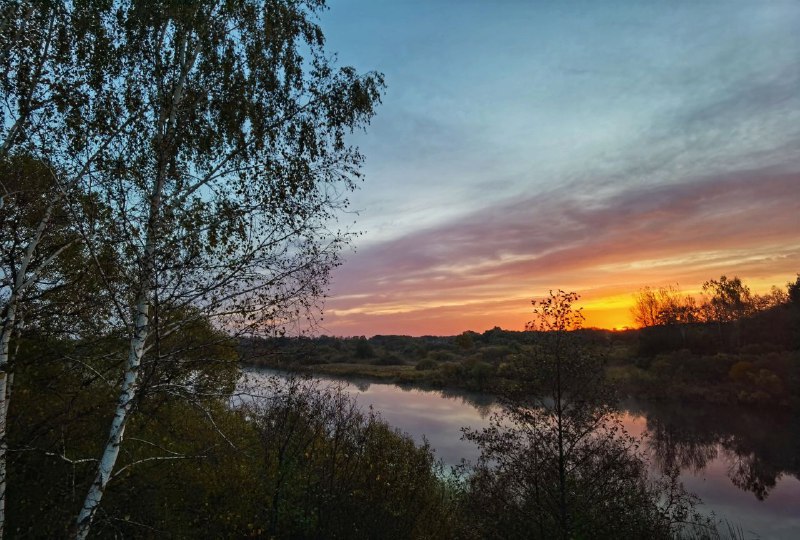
(54, 128)
(556, 461)
(224, 192)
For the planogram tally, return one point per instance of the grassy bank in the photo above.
(752, 375)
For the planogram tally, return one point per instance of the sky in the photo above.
(595, 147)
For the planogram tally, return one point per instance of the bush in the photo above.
(306, 463)
(363, 348)
(740, 370)
(389, 359)
(425, 364)
(442, 356)
(335, 472)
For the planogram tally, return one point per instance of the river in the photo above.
(745, 467)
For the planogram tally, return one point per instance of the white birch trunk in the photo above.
(121, 415)
(6, 330)
(5, 389)
(130, 383)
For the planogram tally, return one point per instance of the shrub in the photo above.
(425, 364)
(389, 359)
(740, 370)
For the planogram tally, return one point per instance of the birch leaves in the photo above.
(214, 149)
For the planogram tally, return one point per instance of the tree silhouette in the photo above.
(556, 462)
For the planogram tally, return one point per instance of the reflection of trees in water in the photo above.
(757, 448)
(483, 403)
(670, 448)
(556, 461)
(749, 473)
(361, 384)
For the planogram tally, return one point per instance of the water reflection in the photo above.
(436, 416)
(744, 466)
(757, 449)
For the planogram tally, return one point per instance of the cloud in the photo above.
(596, 149)
(745, 222)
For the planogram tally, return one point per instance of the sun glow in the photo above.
(612, 313)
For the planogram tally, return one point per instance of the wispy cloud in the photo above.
(595, 146)
(746, 222)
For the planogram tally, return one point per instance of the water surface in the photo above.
(744, 466)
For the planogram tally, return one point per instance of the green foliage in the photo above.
(476, 373)
(465, 341)
(495, 354)
(305, 463)
(335, 472)
(425, 364)
(200, 360)
(755, 379)
(442, 356)
(44, 269)
(363, 349)
(390, 359)
(555, 462)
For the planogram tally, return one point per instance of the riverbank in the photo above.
(757, 378)
(759, 493)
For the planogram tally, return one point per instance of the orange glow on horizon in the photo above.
(611, 312)
(608, 309)
(480, 270)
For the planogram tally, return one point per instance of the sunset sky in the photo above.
(590, 146)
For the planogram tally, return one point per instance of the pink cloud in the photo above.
(476, 272)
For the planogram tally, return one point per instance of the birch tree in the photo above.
(54, 128)
(24, 222)
(19, 110)
(224, 192)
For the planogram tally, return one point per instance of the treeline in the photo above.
(469, 360)
(728, 319)
(734, 348)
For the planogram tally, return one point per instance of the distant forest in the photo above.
(733, 347)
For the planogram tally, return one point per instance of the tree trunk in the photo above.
(124, 404)
(166, 125)
(6, 330)
(5, 390)
(130, 382)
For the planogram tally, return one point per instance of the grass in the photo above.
(382, 373)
